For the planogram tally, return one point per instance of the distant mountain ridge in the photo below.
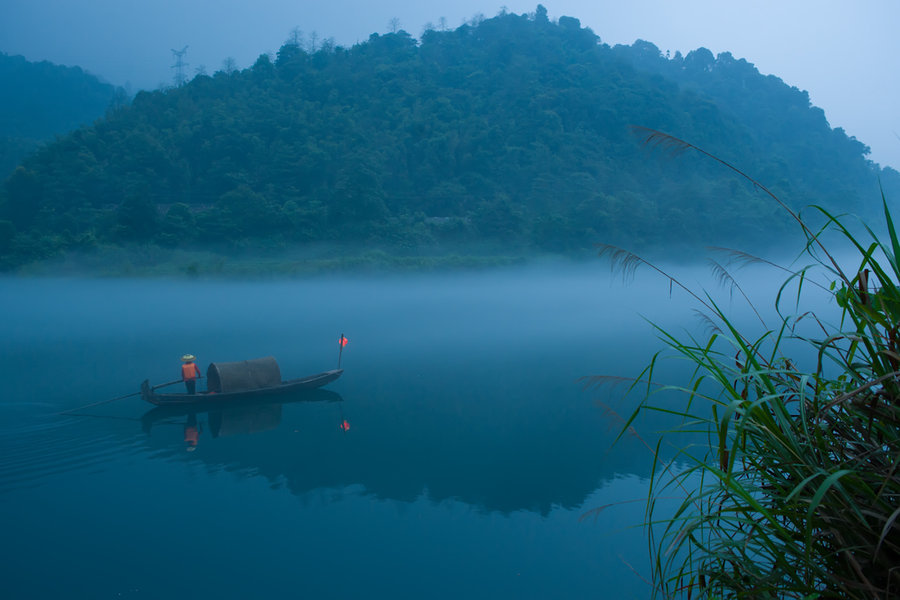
(780, 118)
(39, 100)
(514, 131)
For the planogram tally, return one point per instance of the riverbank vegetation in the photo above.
(513, 130)
(259, 262)
(796, 491)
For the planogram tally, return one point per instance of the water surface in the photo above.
(458, 456)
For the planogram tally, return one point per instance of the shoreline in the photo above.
(155, 262)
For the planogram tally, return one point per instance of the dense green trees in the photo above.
(41, 100)
(795, 137)
(514, 130)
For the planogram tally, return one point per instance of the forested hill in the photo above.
(39, 100)
(513, 130)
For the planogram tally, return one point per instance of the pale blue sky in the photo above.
(846, 54)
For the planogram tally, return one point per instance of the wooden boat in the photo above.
(242, 380)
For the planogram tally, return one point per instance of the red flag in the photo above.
(343, 341)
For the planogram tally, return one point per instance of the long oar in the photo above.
(71, 410)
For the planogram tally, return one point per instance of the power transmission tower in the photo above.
(179, 66)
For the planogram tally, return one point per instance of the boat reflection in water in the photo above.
(234, 418)
(490, 451)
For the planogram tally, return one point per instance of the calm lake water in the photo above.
(469, 464)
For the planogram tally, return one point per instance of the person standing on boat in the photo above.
(190, 373)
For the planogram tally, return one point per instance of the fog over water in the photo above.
(469, 461)
(417, 317)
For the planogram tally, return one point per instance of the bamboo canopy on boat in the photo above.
(242, 376)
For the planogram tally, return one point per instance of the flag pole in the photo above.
(341, 343)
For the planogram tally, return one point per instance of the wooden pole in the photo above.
(171, 383)
(341, 344)
(71, 410)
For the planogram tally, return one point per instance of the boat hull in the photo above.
(287, 387)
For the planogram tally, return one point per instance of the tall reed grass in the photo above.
(796, 492)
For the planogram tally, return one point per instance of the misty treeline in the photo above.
(514, 130)
(39, 100)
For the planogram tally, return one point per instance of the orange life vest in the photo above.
(189, 371)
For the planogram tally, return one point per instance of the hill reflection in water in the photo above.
(456, 454)
(473, 451)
